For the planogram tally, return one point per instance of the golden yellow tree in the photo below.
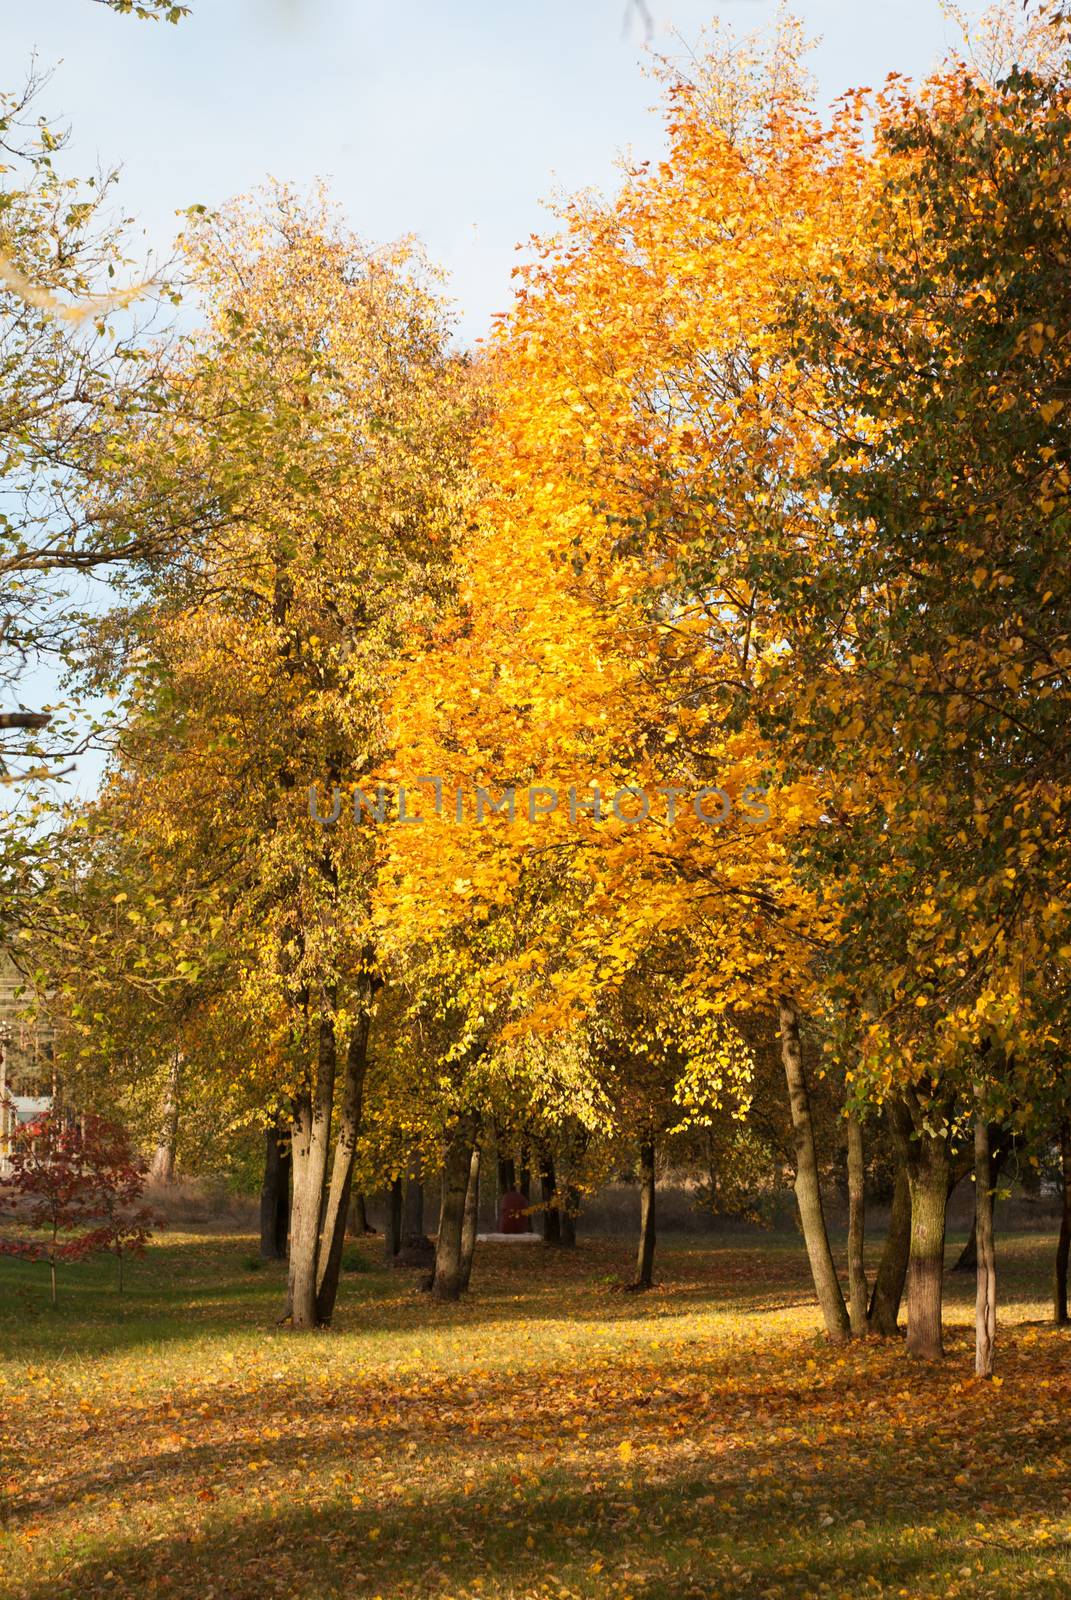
(623, 616)
(313, 443)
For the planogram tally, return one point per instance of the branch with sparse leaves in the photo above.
(148, 10)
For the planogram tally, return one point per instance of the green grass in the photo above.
(550, 1437)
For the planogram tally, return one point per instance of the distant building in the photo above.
(27, 1068)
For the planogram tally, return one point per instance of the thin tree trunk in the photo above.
(470, 1224)
(162, 1167)
(1000, 1148)
(575, 1149)
(333, 1240)
(413, 1211)
(311, 1136)
(1063, 1247)
(392, 1226)
(569, 1212)
(359, 1223)
(892, 1268)
(857, 1284)
(985, 1302)
(552, 1231)
(646, 1249)
(446, 1282)
(524, 1184)
(928, 1171)
(967, 1260)
(507, 1177)
(275, 1195)
(808, 1192)
(282, 1208)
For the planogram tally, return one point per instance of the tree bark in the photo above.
(1000, 1148)
(967, 1260)
(552, 1231)
(359, 1223)
(928, 1171)
(524, 1183)
(470, 1223)
(808, 1192)
(857, 1285)
(275, 1195)
(1063, 1247)
(507, 1176)
(310, 1137)
(413, 1234)
(646, 1249)
(892, 1268)
(162, 1167)
(576, 1145)
(333, 1238)
(392, 1226)
(569, 1213)
(446, 1281)
(985, 1302)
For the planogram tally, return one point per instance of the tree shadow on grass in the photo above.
(776, 1475)
(180, 1290)
(190, 1288)
(743, 1523)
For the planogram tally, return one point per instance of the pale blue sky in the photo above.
(452, 119)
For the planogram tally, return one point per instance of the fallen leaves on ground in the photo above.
(548, 1438)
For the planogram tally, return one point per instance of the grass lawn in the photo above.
(551, 1437)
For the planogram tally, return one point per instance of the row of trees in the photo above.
(753, 517)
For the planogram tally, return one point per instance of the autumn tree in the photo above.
(937, 643)
(48, 1193)
(617, 626)
(312, 442)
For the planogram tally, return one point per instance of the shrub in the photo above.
(75, 1190)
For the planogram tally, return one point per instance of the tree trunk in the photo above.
(1000, 1148)
(857, 1284)
(892, 1268)
(338, 1200)
(162, 1167)
(470, 1224)
(524, 1184)
(928, 1172)
(569, 1213)
(392, 1226)
(275, 1195)
(413, 1208)
(576, 1145)
(1063, 1247)
(507, 1176)
(310, 1139)
(646, 1249)
(985, 1302)
(359, 1223)
(446, 1281)
(552, 1230)
(808, 1192)
(967, 1260)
